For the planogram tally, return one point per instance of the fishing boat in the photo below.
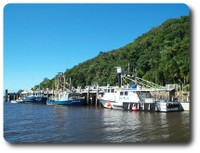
(137, 96)
(137, 99)
(117, 98)
(35, 99)
(63, 95)
(66, 98)
(167, 106)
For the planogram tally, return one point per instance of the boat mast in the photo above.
(61, 81)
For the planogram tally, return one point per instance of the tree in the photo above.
(161, 55)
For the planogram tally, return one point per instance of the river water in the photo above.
(33, 123)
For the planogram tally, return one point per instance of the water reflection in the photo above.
(148, 127)
(59, 124)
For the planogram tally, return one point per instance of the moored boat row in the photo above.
(136, 97)
(113, 98)
(31, 99)
(62, 98)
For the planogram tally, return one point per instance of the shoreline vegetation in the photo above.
(161, 55)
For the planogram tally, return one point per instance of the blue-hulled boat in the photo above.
(67, 98)
(35, 99)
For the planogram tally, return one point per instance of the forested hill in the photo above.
(161, 55)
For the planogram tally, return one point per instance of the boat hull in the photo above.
(13, 101)
(158, 107)
(167, 107)
(35, 100)
(77, 102)
(16, 101)
(110, 104)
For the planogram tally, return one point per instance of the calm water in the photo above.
(29, 123)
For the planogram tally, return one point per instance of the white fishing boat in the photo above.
(167, 106)
(136, 99)
(115, 97)
(137, 96)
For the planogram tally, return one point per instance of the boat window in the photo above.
(126, 93)
(148, 95)
(121, 93)
(108, 90)
(112, 90)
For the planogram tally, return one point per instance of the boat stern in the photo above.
(167, 106)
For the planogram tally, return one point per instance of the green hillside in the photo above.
(161, 55)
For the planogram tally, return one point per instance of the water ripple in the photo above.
(27, 123)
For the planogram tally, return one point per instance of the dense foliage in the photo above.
(161, 55)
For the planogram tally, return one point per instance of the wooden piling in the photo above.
(6, 95)
(88, 95)
(97, 93)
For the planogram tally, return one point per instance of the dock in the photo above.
(11, 96)
(92, 93)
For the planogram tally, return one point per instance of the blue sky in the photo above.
(43, 39)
